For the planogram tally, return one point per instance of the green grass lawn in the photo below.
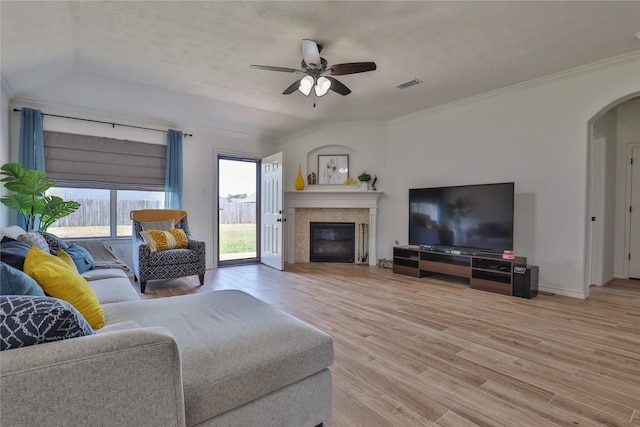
(88, 231)
(237, 238)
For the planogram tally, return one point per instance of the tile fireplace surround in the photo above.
(329, 205)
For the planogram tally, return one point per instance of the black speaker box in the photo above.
(525, 281)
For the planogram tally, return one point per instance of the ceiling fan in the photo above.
(318, 73)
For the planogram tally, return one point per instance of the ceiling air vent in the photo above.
(409, 84)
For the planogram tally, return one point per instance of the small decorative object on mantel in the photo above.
(364, 179)
(311, 179)
(373, 184)
(351, 181)
(299, 179)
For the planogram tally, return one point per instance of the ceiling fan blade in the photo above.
(351, 68)
(310, 52)
(292, 88)
(338, 87)
(269, 68)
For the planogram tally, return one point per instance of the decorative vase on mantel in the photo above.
(299, 179)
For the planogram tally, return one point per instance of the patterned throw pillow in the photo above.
(158, 240)
(29, 320)
(55, 243)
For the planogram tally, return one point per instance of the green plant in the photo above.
(29, 187)
(237, 196)
(364, 177)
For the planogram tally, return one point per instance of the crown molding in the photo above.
(5, 85)
(629, 57)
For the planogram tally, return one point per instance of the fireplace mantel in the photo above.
(331, 197)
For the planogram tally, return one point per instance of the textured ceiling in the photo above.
(188, 62)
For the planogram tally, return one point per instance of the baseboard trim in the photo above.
(562, 292)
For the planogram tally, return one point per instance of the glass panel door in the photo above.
(238, 201)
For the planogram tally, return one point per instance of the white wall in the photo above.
(199, 186)
(365, 142)
(535, 135)
(5, 213)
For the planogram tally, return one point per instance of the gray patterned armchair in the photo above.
(165, 264)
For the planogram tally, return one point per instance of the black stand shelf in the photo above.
(488, 272)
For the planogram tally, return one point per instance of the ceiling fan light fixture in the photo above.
(305, 85)
(315, 68)
(322, 86)
(310, 52)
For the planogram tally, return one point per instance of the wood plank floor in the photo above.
(417, 352)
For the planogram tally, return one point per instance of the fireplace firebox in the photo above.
(332, 242)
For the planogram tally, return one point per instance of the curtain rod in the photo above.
(113, 124)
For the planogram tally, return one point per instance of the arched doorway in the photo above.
(608, 231)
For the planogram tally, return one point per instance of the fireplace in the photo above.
(320, 204)
(332, 241)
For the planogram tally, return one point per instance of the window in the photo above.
(92, 219)
(102, 213)
(108, 177)
(129, 200)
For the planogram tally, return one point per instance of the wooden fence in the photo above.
(96, 212)
(234, 212)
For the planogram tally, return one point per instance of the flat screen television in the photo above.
(475, 217)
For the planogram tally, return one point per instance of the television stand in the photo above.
(486, 272)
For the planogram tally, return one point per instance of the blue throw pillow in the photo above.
(29, 320)
(13, 252)
(16, 282)
(81, 257)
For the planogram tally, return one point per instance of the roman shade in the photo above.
(97, 162)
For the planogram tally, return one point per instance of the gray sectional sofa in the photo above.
(221, 358)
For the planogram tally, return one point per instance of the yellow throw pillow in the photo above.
(159, 240)
(67, 260)
(59, 281)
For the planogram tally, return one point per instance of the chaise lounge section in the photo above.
(221, 358)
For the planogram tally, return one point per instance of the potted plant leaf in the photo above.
(364, 179)
(28, 198)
